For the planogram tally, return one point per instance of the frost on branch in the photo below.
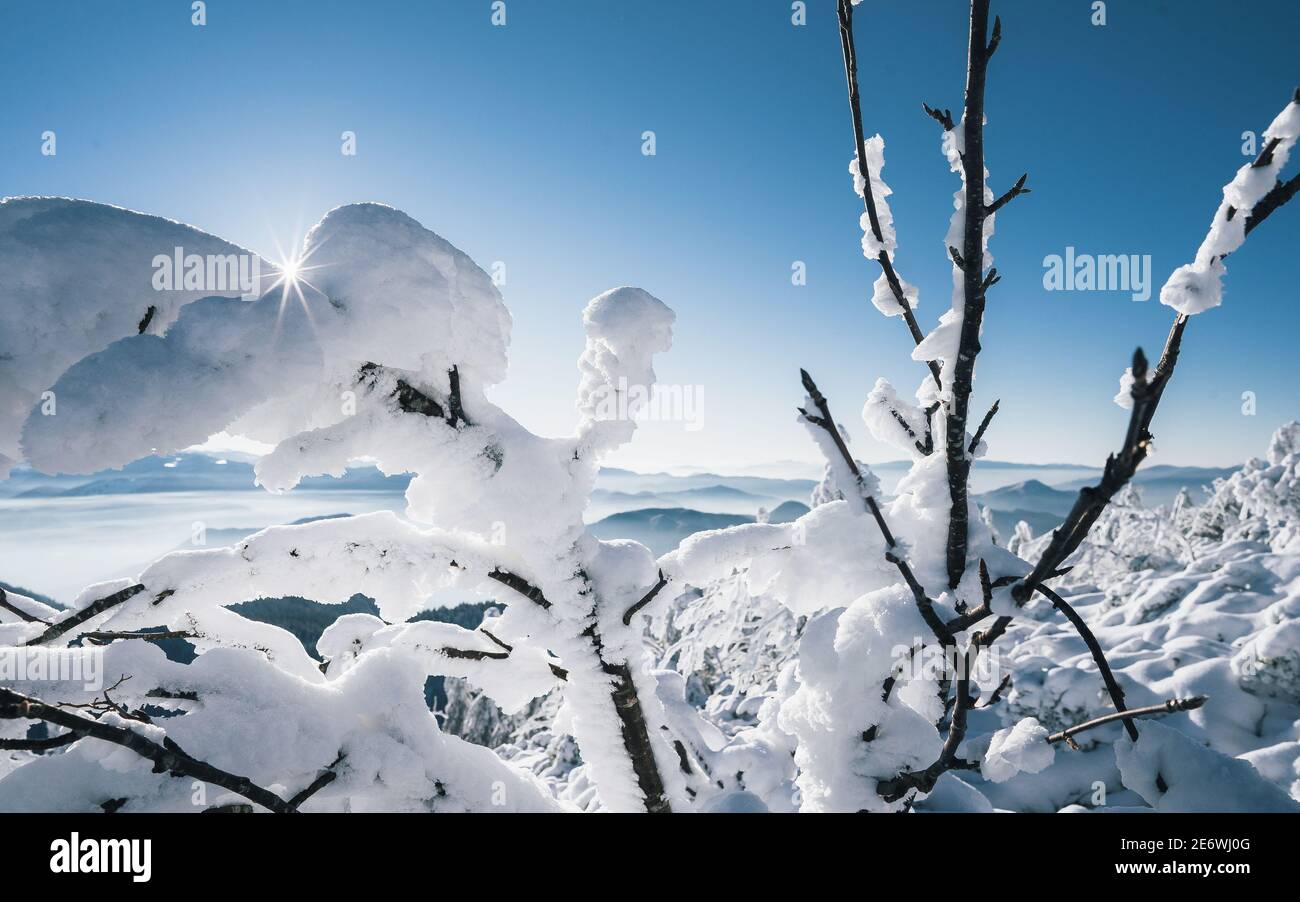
(875, 158)
(896, 422)
(382, 350)
(1197, 286)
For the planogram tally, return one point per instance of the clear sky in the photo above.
(523, 144)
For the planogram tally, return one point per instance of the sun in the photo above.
(290, 277)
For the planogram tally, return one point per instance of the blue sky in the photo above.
(523, 144)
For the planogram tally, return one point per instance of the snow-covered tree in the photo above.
(379, 347)
(885, 584)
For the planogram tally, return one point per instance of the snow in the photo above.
(1197, 778)
(875, 159)
(1020, 749)
(378, 288)
(88, 269)
(894, 421)
(943, 341)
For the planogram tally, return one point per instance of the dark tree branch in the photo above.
(104, 637)
(456, 417)
(1112, 687)
(38, 745)
(923, 780)
(520, 585)
(972, 267)
(412, 400)
(17, 611)
(94, 609)
(984, 424)
(827, 422)
(633, 727)
(1016, 190)
(623, 694)
(323, 779)
(167, 757)
(1119, 469)
(645, 599)
(997, 693)
(996, 39)
(1171, 706)
(1276, 197)
(473, 654)
(868, 198)
(943, 117)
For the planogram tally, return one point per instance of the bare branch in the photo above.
(984, 424)
(868, 198)
(520, 585)
(645, 600)
(827, 422)
(94, 609)
(323, 779)
(1016, 190)
(456, 417)
(1171, 706)
(944, 117)
(104, 637)
(1098, 656)
(167, 757)
(997, 37)
(146, 319)
(38, 745)
(17, 611)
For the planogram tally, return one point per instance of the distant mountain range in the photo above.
(1160, 484)
(182, 473)
(658, 509)
(661, 529)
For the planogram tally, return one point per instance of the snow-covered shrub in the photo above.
(382, 348)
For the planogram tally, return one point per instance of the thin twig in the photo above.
(1098, 656)
(94, 609)
(1171, 706)
(868, 198)
(645, 600)
(323, 779)
(167, 757)
(17, 611)
(827, 422)
(520, 585)
(984, 424)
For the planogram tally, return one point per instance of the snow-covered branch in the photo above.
(166, 755)
(868, 162)
(1255, 183)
